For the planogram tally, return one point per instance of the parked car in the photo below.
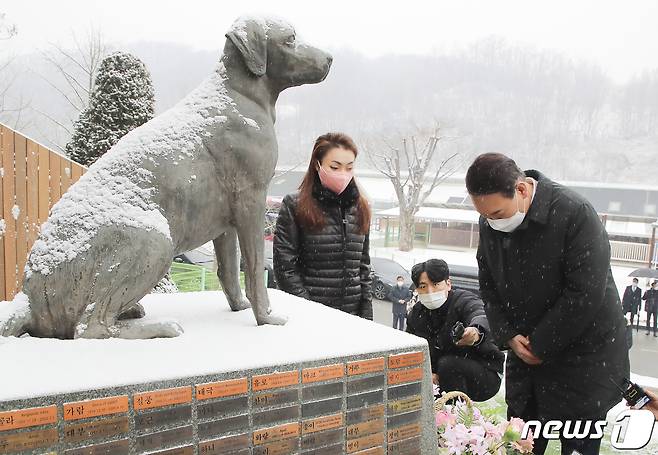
(465, 277)
(384, 276)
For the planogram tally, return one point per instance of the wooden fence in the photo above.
(33, 178)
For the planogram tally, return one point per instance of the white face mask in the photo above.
(400, 283)
(508, 224)
(433, 300)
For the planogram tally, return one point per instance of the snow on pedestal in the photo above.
(220, 345)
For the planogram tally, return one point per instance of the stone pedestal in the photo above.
(326, 383)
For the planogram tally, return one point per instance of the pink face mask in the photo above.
(335, 181)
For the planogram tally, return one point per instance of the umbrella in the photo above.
(644, 272)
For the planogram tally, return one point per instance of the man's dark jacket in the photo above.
(550, 280)
(436, 326)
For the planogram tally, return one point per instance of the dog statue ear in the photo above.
(250, 39)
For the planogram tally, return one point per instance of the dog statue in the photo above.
(196, 173)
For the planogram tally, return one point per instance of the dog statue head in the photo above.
(270, 48)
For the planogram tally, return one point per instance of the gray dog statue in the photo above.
(195, 173)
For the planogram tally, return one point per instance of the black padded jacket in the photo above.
(331, 266)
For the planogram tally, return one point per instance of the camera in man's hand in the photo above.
(457, 332)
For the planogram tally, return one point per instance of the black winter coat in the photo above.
(631, 300)
(436, 327)
(399, 293)
(651, 297)
(331, 266)
(550, 280)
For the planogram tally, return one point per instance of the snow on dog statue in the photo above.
(196, 173)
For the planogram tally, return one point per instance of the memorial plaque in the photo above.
(395, 393)
(95, 408)
(274, 380)
(323, 438)
(362, 429)
(286, 447)
(121, 447)
(225, 445)
(403, 419)
(326, 373)
(164, 438)
(275, 398)
(365, 366)
(318, 408)
(373, 451)
(404, 432)
(362, 415)
(331, 450)
(405, 405)
(222, 426)
(222, 408)
(322, 423)
(366, 442)
(406, 447)
(96, 430)
(153, 419)
(24, 418)
(402, 376)
(266, 435)
(405, 360)
(363, 384)
(273, 416)
(160, 398)
(365, 399)
(318, 392)
(28, 440)
(187, 450)
(222, 389)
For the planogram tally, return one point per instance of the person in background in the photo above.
(630, 303)
(463, 355)
(549, 295)
(400, 295)
(321, 241)
(651, 307)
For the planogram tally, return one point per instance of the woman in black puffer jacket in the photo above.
(321, 242)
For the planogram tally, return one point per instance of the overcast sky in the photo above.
(620, 36)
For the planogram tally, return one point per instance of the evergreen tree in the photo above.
(122, 100)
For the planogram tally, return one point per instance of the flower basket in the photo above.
(463, 430)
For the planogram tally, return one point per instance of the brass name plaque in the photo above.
(402, 376)
(274, 380)
(24, 418)
(322, 423)
(95, 408)
(160, 398)
(221, 389)
(97, 429)
(405, 360)
(365, 366)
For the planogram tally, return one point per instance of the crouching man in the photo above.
(463, 354)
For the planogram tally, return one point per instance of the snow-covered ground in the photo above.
(216, 340)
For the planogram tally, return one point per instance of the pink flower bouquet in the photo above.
(463, 430)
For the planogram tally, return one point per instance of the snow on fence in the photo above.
(32, 180)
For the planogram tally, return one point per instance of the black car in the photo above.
(465, 277)
(384, 276)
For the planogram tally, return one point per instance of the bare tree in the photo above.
(75, 73)
(11, 108)
(415, 172)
